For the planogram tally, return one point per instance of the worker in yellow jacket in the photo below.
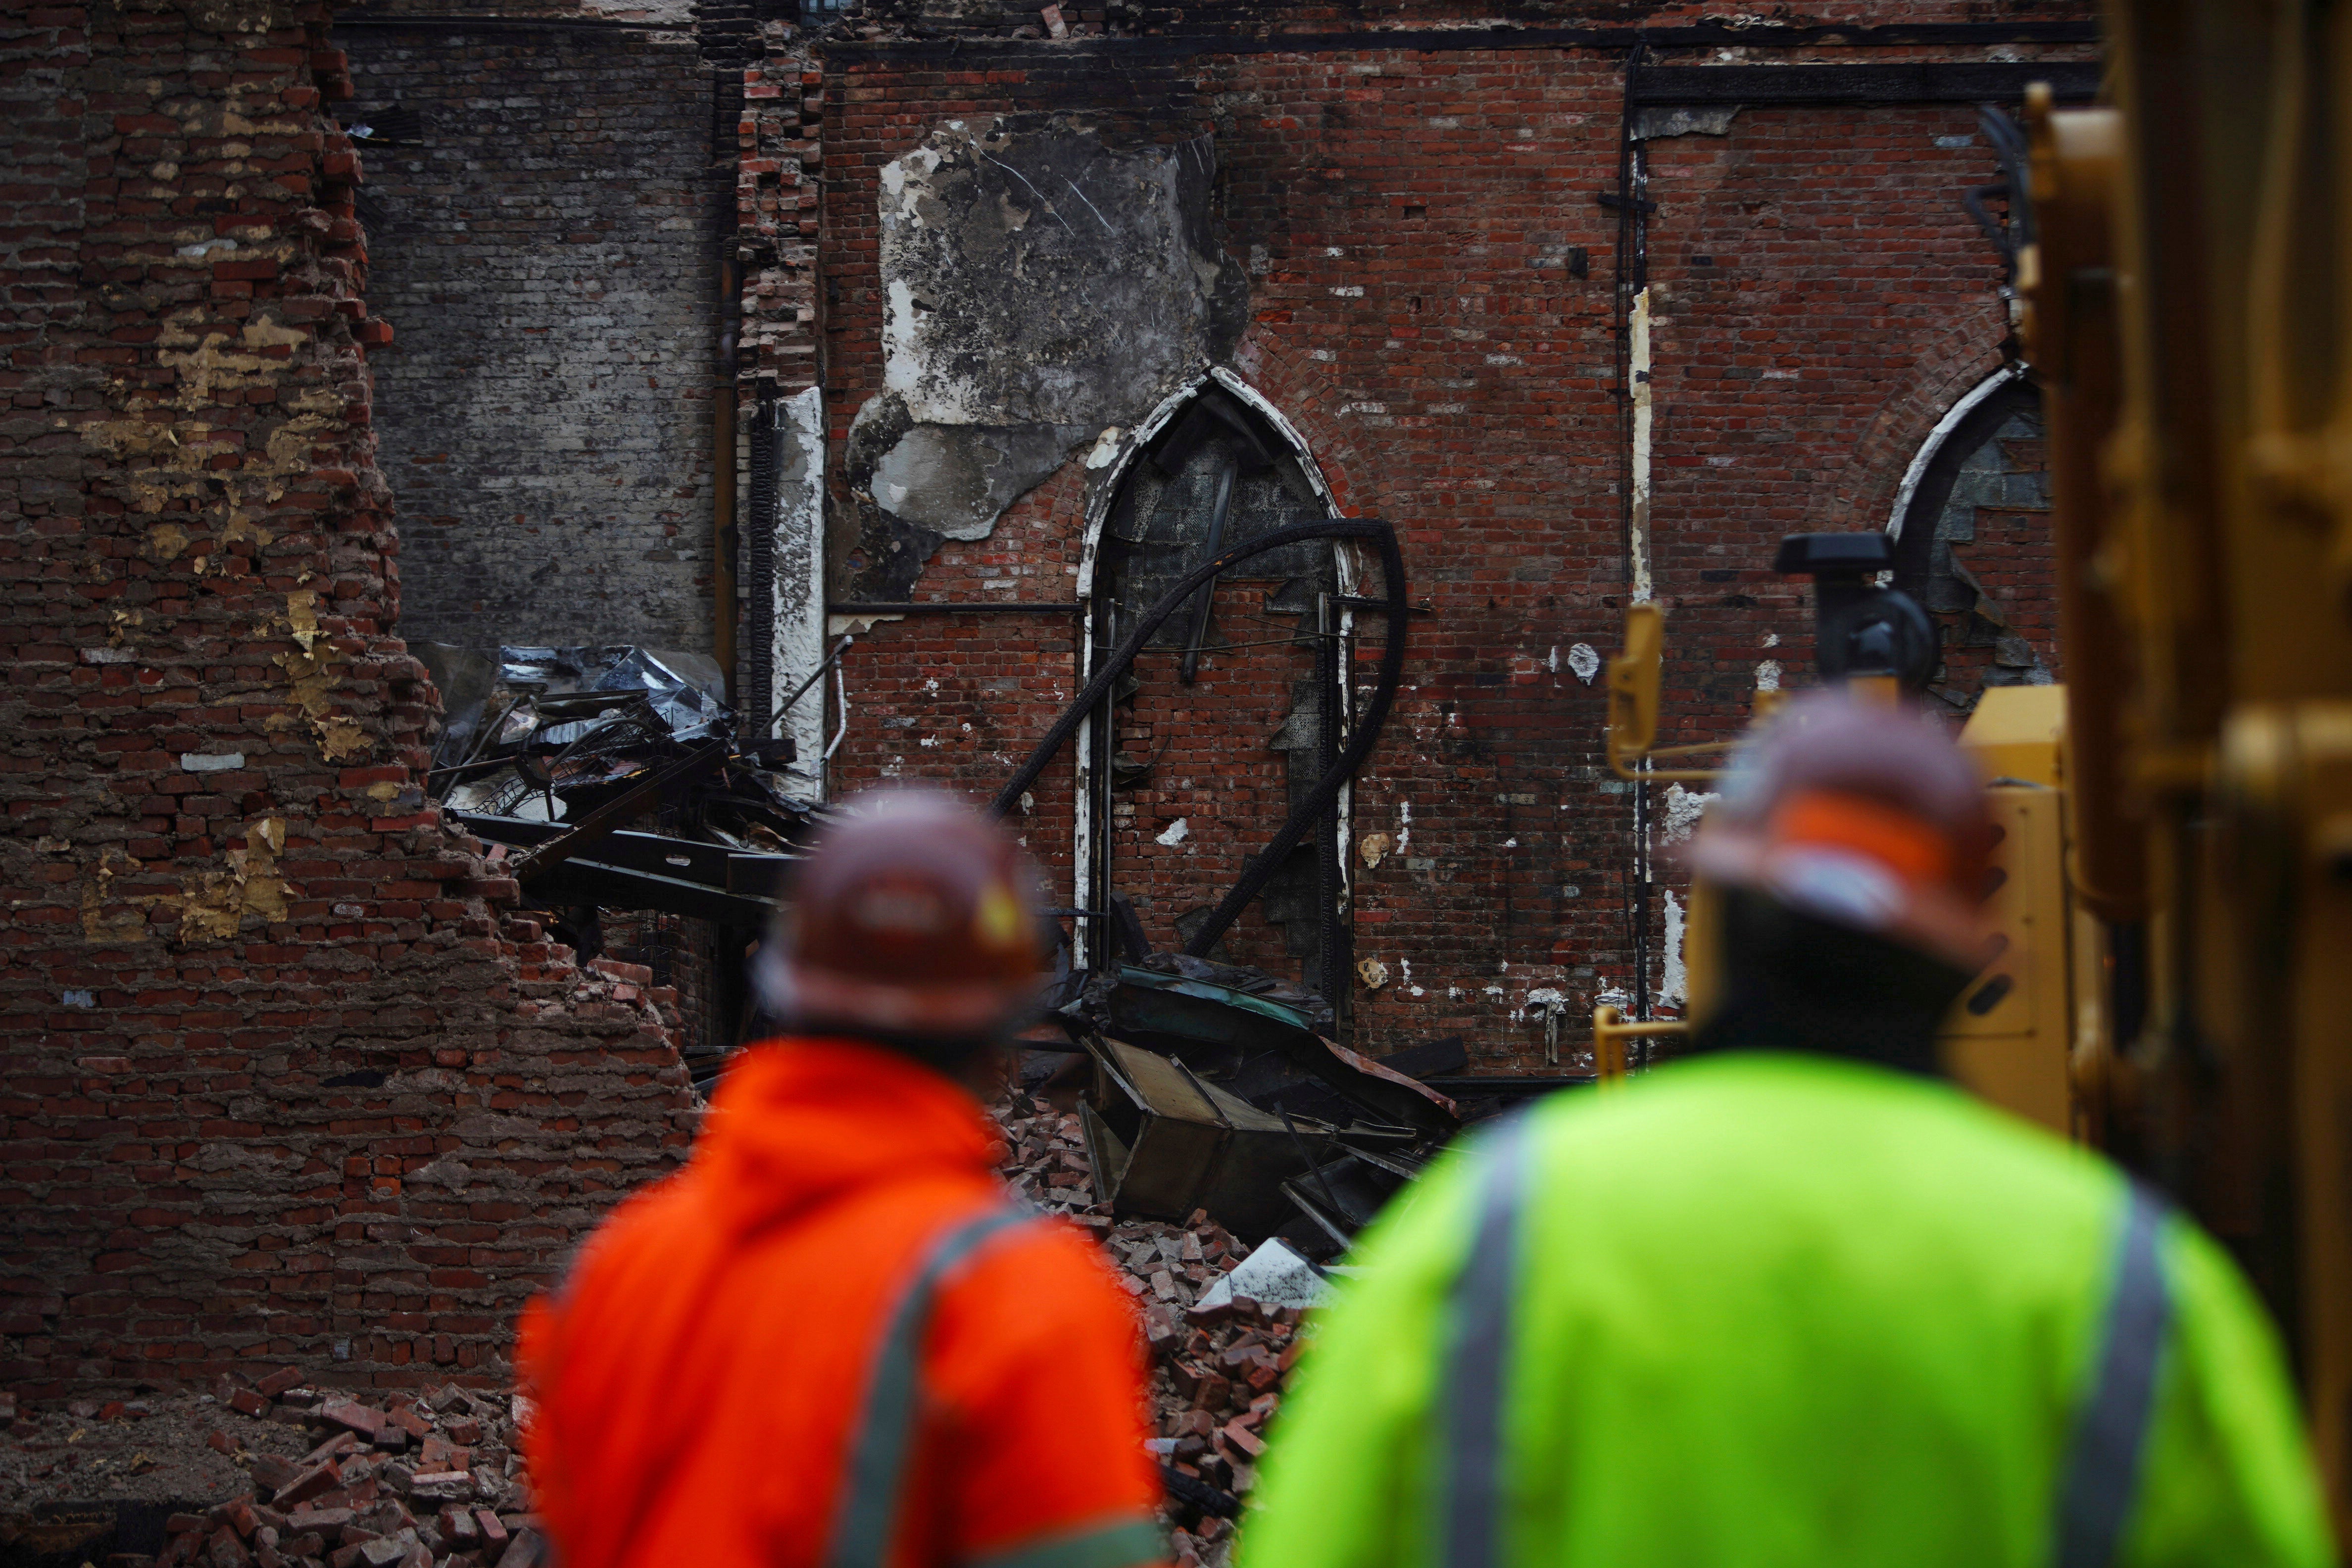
(1796, 1301)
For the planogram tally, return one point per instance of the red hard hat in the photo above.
(914, 915)
(1861, 812)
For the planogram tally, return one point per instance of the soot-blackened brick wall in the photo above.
(545, 247)
(1810, 323)
(1433, 307)
(279, 1077)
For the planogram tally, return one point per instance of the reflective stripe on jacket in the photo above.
(1770, 1310)
(830, 1341)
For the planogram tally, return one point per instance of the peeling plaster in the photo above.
(1043, 285)
(1679, 811)
(1674, 980)
(209, 906)
(958, 479)
(214, 903)
(1665, 120)
(797, 585)
(1638, 369)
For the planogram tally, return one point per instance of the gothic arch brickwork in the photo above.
(1430, 304)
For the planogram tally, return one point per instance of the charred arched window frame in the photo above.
(1215, 472)
(1979, 462)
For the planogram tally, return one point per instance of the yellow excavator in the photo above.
(2176, 985)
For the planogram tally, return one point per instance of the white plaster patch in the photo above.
(1673, 982)
(1105, 448)
(1175, 834)
(797, 591)
(1637, 367)
(1585, 660)
(1679, 811)
(1768, 675)
(903, 368)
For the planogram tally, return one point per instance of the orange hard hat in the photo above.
(914, 915)
(1862, 813)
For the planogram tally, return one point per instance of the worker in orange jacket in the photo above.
(835, 1338)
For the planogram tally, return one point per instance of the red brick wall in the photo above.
(1408, 220)
(277, 1078)
(1817, 309)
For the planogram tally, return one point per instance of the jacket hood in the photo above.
(796, 1121)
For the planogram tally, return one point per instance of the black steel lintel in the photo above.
(622, 809)
(956, 607)
(1919, 81)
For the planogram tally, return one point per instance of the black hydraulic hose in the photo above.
(1191, 665)
(1174, 600)
(1327, 788)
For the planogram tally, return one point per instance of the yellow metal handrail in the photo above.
(1611, 1031)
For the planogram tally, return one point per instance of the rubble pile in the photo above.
(544, 734)
(1219, 1355)
(430, 1482)
(290, 1473)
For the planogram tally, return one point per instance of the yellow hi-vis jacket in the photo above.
(1774, 1310)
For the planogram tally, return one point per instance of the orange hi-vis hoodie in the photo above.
(830, 1342)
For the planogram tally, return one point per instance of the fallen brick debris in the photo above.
(340, 1478)
(1219, 1356)
(429, 1481)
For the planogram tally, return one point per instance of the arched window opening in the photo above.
(1233, 709)
(1973, 544)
